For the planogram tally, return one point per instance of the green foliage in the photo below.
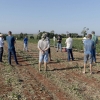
(31, 37)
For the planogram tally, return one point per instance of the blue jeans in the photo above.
(94, 54)
(59, 46)
(69, 53)
(10, 52)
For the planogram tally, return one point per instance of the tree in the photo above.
(84, 31)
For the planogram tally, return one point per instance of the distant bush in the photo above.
(31, 37)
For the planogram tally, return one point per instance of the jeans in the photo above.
(25, 47)
(69, 53)
(1, 53)
(94, 54)
(10, 52)
(59, 46)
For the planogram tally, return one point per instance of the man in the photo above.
(11, 47)
(43, 46)
(1, 47)
(25, 40)
(95, 39)
(88, 49)
(59, 40)
(69, 42)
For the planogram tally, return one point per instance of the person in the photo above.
(69, 43)
(43, 46)
(49, 50)
(11, 47)
(59, 40)
(54, 39)
(88, 49)
(1, 47)
(95, 39)
(25, 40)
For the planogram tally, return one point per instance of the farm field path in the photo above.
(63, 81)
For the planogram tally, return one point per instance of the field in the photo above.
(63, 80)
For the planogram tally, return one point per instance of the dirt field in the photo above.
(63, 81)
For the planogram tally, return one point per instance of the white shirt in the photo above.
(54, 38)
(69, 42)
(1, 42)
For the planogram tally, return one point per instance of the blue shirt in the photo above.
(88, 46)
(25, 40)
(11, 41)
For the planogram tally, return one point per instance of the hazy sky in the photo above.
(30, 16)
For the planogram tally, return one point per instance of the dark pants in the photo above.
(69, 53)
(1, 53)
(10, 52)
(94, 54)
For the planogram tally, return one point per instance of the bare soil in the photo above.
(62, 81)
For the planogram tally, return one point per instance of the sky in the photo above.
(30, 16)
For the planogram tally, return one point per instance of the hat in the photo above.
(1, 35)
(44, 35)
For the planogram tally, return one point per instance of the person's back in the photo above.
(69, 42)
(88, 46)
(11, 42)
(25, 40)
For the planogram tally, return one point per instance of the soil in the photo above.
(63, 80)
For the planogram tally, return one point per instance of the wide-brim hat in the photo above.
(1, 35)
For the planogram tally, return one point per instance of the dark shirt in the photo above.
(11, 41)
(59, 39)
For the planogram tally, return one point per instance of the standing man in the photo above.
(25, 40)
(59, 40)
(88, 49)
(43, 46)
(11, 47)
(69, 42)
(95, 39)
(1, 47)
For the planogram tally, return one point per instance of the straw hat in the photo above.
(1, 35)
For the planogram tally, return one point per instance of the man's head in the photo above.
(9, 33)
(69, 35)
(44, 35)
(93, 32)
(89, 36)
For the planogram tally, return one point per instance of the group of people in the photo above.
(90, 50)
(11, 47)
(89, 45)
